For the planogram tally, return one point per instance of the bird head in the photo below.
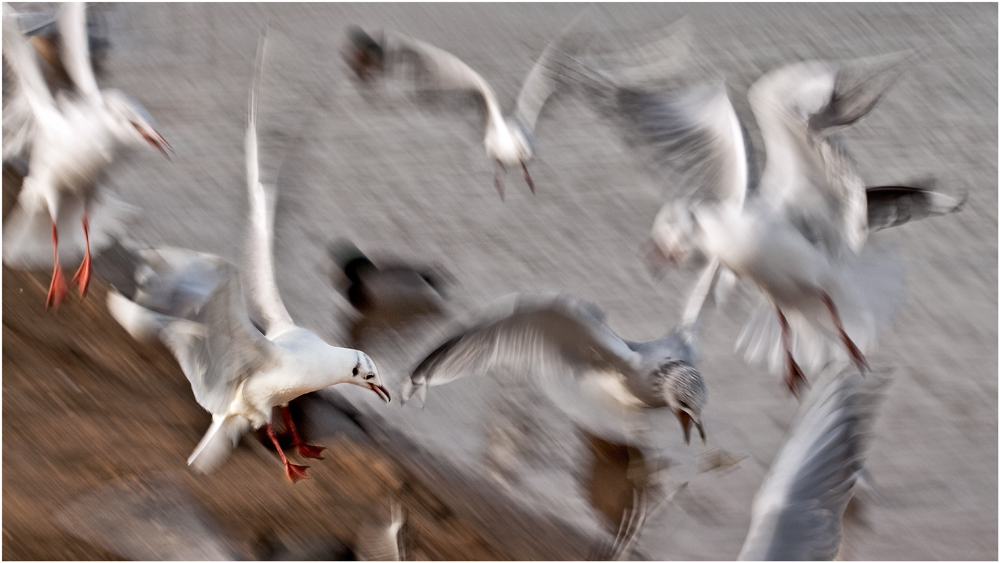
(684, 392)
(670, 238)
(132, 123)
(365, 374)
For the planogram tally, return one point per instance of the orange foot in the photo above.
(57, 289)
(310, 451)
(295, 472)
(794, 375)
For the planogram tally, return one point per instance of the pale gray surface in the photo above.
(413, 181)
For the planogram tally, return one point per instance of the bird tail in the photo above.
(870, 289)
(27, 231)
(218, 442)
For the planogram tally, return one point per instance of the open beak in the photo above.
(156, 141)
(381, 391)
(686, 421)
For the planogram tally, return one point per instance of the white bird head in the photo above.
(131, 123)
(365, 374)
(670, 239)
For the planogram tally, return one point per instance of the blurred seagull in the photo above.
(392, 295)
(582, 365)
(798, 510)
(71, 139)
(237, 373)
(509, 141)
(800, 235)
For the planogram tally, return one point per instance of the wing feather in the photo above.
(537, 334)
(76, 49)
(30, 98)
(797, 511)
(890, 206)
(262, 286)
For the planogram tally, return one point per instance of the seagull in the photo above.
(390, 295)
(798, 233)
(582, 365)
(509, 140)
(238, 372)
(798, 509)
(71, 139)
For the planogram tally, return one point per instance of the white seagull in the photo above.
(800, 233)
(195, 303)
(509, 141)
(798, 510)
(590, 372)
(71, 139)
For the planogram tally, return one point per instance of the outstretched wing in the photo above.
(195, 303)
(76, 49)
(29, 97)
(797, 511)
(261, 284)
(548, 335)
(809, 172)
(890, 206)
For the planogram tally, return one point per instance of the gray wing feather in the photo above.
(797, 511)
(29, 97)
(531, 334)
(890, 206)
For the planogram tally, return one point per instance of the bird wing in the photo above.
(438, 69)
(30, 97)
(542, 82)
(797, 511)
(809, 173)
(76, 50)
(261, 283)
(548, 335)
(196, 303)
(890, 206)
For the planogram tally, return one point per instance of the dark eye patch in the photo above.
(355, 370)
(369, 376)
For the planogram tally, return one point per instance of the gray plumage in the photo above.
(798, 509)
(891, 206)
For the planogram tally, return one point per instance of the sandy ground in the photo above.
(408, 180)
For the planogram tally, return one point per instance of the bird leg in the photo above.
(793, 373)
(527, 177)
(82, 276)
(856, 355)
(305, 450)
(58, 287)
(498, 171)
(294, 472)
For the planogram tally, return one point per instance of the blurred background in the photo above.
(486, 470)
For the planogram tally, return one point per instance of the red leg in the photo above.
(294, 472)
(305, 450)
(856, 355)
(82, 276)
(527, 177)
(497, 180)
(58, 287)
(793, 373)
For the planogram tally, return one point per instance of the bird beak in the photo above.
(156, 141)
(686, 421)
(381, 391)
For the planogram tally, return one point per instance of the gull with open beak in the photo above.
(194, 302)
(71, 140)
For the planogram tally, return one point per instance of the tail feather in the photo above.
(218, 442)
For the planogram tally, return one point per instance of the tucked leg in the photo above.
(82, 276)
(856, 355)
(793, 373)
(294, 472)
(305, 450)
(57, 287)
(527, 177)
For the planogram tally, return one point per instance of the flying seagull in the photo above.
(71, 139)
(239, 373)
(582, 365)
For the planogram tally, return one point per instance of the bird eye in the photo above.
(369, 376)
(355, 370)
(684, 405)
